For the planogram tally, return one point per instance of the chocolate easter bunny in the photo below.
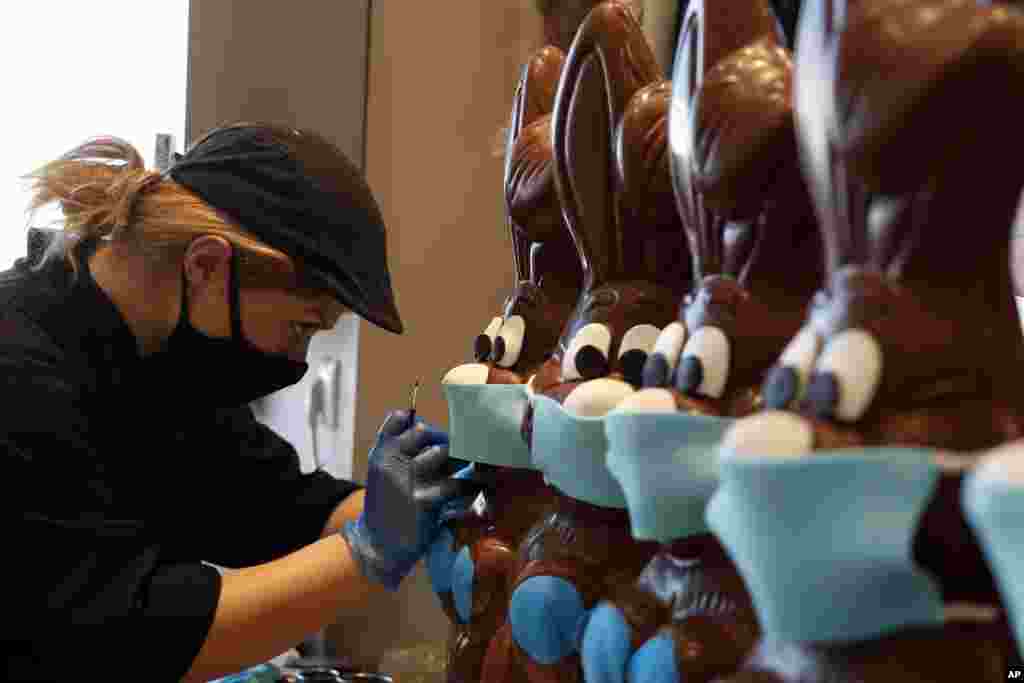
(913, 346)
(470, 567)
(745, 209)
(613, 180)
(755, 243)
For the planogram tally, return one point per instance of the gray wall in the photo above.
(301, 62)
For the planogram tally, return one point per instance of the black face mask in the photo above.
(230, 371)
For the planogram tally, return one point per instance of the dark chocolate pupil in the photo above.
(632, 364)
(780, 387)
(591, 363)
(499, 349)
(656, 371)
(823, 395)
(482, 348)
(689, 374)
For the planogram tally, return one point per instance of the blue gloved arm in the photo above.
(407, 488)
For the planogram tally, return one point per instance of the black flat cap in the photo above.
(298, 193)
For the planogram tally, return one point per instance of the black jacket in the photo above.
(118, 494)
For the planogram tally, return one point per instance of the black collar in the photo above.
(76, 313)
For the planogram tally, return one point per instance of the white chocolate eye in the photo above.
(847, 375)
(670, 343)
(787, 381)
(639, 338)
(801, 351)
(636, 344)
(509, 343)
(587, 355)
(484, 344)
(704, 368)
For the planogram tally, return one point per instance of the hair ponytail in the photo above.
(105, 191)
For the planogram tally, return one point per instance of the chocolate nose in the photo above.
(591, 363)
(482, 348)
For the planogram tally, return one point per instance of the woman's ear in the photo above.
(207, 263)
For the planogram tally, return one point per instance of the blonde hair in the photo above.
(105, 191)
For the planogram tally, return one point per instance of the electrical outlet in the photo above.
(329, 375)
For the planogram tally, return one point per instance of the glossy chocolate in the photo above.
(745, 207)
(548, 276)
(514, 501)
(692, 591)
(954, 653)
(751, 228)
(916, 228)
(613, 180)
(547, 284)
(562, 19)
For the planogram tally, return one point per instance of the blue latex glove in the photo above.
(606, 646)
(546, 613)
(408, 486)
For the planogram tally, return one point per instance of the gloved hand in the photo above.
(408, 489)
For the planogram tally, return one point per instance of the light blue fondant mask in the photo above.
(484, 422)
(570, 450)
(824, 542)
(995, 510)
(667, 465)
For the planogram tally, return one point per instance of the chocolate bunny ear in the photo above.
(608, 62)
(839, 202)
(534, 215)
(655, 249)
(712, 30)
(747, 170)
(944, 62)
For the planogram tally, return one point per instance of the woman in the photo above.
(130, 345)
